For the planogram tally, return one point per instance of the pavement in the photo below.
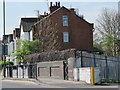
(73, 84)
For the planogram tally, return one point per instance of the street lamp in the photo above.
(4, 38)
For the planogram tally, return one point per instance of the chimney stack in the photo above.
(73, 10)
(54, 7)
(50, 4)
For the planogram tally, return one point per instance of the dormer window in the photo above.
(65, 20)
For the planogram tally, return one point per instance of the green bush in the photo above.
(110, 81)
(7, 63)
(104, 81)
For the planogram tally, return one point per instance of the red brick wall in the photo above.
(80, 31)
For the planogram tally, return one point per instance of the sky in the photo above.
(15, 10)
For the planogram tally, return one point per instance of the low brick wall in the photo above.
(53, 69)
(74, 59)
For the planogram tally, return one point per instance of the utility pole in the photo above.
(4, 39)
(119, 39)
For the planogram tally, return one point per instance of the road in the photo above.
(19, 84)
(23, 84)
(29, 84)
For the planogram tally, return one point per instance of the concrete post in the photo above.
(71, 62)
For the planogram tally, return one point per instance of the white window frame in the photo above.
(65, 37)
(65, 20)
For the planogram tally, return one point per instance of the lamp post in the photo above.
(119, 39)
(4, 38)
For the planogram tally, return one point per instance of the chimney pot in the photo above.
(59, 4)
(56, 3)
(72, 9)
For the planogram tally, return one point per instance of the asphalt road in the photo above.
(21, 84)
(29, 84)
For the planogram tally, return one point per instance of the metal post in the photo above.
(118, 68)
(17, 70)
(94, 59)
(81, 59)
(23, 70)
(36, 70)
(4, 38)
(106, 67)
(119, 40)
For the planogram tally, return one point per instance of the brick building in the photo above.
(64, 29)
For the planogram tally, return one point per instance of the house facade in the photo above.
(26, 26)
(10, 44)
(69, 29)
(10, 47)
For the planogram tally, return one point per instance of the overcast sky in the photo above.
(14, 10)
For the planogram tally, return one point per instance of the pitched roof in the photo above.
(27, 23)
(16, 33)
(51, 14)
(10, 37)
(60, 9)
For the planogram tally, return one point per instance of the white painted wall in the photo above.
(10, 48)
(20, 73)
(22, 33)
(84, 74)
(9, 57)
(25, 35)
(15, 44)
(14, 73)
(14, 58)
(31, 35)
(76, 74)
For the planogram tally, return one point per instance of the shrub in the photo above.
(7, 63)
(110, 81)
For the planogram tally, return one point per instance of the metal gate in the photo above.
(32, 71)
(65, 70)
(22, 71)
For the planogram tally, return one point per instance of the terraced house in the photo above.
(25, 27)
(63, 28)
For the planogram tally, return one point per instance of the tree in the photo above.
(107, 32)
(46, 31)
(27, 47)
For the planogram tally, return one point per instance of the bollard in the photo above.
(92, 76)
